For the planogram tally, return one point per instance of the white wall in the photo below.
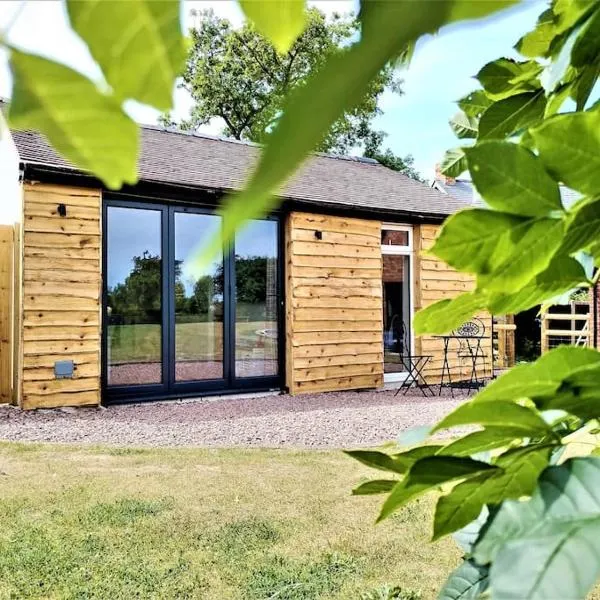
(10, 189)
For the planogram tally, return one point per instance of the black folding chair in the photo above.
(414, 364)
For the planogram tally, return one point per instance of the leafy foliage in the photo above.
(132, 42)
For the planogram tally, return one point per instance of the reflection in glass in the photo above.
(134, 297)
(198, 301)
(256, 299)
(396, 312)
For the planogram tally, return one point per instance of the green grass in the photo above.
(203, 340)
(81, 523)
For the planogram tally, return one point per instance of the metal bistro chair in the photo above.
(469, 336)
(414, 364)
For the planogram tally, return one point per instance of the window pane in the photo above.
(134, 298)
(198, 301)
(256, 300)
(396, 311)
(391, 237)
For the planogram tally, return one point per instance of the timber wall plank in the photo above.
(62, 277)
(6, 312)
(334, 329)
(435, 280)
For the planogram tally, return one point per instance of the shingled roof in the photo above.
(206, 162)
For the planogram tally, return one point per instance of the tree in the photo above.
(237, 75)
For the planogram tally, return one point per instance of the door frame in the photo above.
(169, 388)
(401, 251)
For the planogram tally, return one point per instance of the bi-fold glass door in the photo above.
(174, 325)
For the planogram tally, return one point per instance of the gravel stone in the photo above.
(330, 420)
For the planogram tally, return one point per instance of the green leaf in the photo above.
(548, 547)
(427, 474)
(469, 238)
(475, 103)
(511, 115)
(489, 438)
(521, 468)
(377, 486)
(512, 179)
(445, 315)
(464, 126)
(521, 254)
(379, 460)
(466, 582)
(541, 378)
(454, 162)
(587, 46)
(583, 229)
(467, 537)
(496, 414)
(506, 77)
(537, 42)
(562, 275)
(92, 132)
(387, 29)
(570, 12)
(281, 21)
(582, 87)
(569, 146)
(139, 45)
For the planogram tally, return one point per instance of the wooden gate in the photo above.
(569, 324)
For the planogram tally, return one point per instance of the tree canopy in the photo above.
(237, 75)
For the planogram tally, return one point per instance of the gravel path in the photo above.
(332, 420)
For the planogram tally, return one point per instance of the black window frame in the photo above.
(169, 388)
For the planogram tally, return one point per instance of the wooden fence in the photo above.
(570, 324)
(503, 342)
(6, 316)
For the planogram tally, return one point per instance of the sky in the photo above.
(416, 123)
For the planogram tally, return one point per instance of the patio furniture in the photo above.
(468, 337)
(414, 365)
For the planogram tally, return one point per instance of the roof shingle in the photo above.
(194, 160)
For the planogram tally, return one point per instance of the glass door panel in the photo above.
(396, 311)
(256, 299)
(134, 296)
(199, 296)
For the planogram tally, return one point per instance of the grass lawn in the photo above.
(223, 524)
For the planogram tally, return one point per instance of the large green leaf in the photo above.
(549, 546)
(466, 582)
(570, 12)
(511, 115)
(569, 146)
(583, 229)
(469, 238)
(562, 275)
(506, 77)
(454, 162)
(429, 473)
(541, 378)
(87, 127)
(387, 29)
(521, 468)
(587, 46)
(475, 103)
(496, 414)
(512, 179)
(376, 486)
(521, 254)
(537, 42)
(395, 463)
(445, 315)
(281, 21)
(489, 438)
(463, 125)
(139, 45)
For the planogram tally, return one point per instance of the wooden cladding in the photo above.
(334, 303)
(6, 312)
(435, 280)
(60, 304)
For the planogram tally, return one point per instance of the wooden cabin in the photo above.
(104, 299)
